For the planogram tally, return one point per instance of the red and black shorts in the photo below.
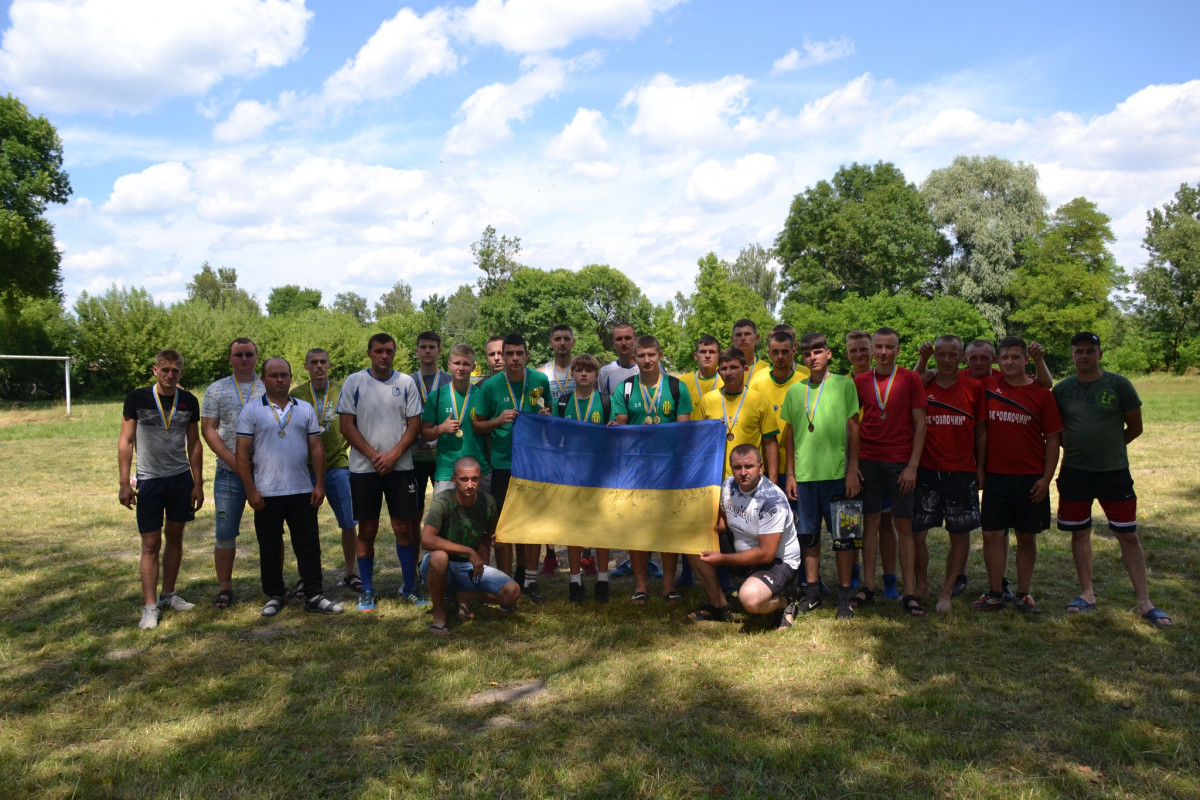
(1077, 489)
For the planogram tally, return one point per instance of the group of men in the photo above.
(914, 446)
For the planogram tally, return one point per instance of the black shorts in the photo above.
(424, 471)
(368, 489)
(500, 487)
(1114, 489)
(880, 480)
(775, 575)
(171, 496)
(952, 497)
(1006, 504)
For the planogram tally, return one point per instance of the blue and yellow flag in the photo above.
(633, 487)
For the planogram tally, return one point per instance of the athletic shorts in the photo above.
(812, 506)
(882, 478)
(337, 492)
(1006, 504)
(368, 489)
(460, 577)
(424, 471)
(1078, 488)
(952, 497)
(776, 575)
(171, 496)
(500, 486)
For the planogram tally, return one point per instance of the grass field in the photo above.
(610, 701)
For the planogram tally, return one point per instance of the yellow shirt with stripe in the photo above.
(764, 383)
(755, 420)
(756, 369)
(698, 387)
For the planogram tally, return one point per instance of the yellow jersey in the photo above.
(748, 416)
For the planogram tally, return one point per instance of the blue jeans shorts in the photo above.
(460, 577)
(229, 501)
(337, 492)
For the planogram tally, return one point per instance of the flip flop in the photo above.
(465, 613)
(1158, 618)
(640, 598)
(439, 630)
(672, 597)
(912, 606)
(1080, 606)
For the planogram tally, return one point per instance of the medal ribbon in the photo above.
(696, 378)
(458, 415)
(287, 417)
(587, 412)
(319, 406)
(518, 405)
(737, 412)
(562, 385)
(887, 392)
(165, 419)
(437, 377)
(813, 415)
(238, 389)
(650, 402)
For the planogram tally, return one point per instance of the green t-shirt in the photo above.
(466, 525)
(450, 447)
(637, 408)
(325, 406)
(498, 396)
(590, 410)
(821, 452)
(1093, 418)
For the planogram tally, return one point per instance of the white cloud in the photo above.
(534, 26)
(128, 55)
(489, 110)
(582, 139)
(699, 115)
(248, 119)
(596, 170)
(108, 257)
(815, 53)
(162, 188)
(714, 186)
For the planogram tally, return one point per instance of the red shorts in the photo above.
(1078, 488)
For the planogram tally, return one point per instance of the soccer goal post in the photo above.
(66, 371)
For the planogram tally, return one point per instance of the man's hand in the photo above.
(385, 462)
(853, 486)
(926, 349)
(127, 496)
(197, 496)
(790, 487)
(928, 375)
(256, 501)
(1036, 351)
(476, 565)
(507, 416)
(1039, 491)
(451, 425)
(713, 557)
(317, 497)
(908, 479)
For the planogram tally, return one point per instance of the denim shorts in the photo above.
(337, 492)
(460, 577)
(229, 501)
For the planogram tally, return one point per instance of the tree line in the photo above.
(972, 250)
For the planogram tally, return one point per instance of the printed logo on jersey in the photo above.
(395, 391)
(595, 416)
(1106, 398)
(667, 407)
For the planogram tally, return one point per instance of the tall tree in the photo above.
(1064, 278)
(462, 316)
(119, 333)
(398, 300)
(989, 204)
(1169, 284)
(716, 303)
(497, 257)
(31, 176)
(218, 288)
(610, 297)
(292, 299)
(866, 231)
(352, 304)
(754, 268)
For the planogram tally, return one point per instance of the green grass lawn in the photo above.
(618, 702)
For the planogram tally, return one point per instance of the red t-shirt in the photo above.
(951, 417)
(1019, 420)
(889, 439)
(966, 373)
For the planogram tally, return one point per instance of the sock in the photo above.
(813, 592)
(407, 554)
(366, 571)
(889, 582)
(602, 576)
(530, 582)
(577, 578)
(843, 594)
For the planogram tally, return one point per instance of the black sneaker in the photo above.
(960, 586)
(575, 592)
(601, 591)
(532, 594)
(1024, 603)
(844, 610)
(988, 602)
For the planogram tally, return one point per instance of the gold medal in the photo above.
(458, 433)
(657, 419)
(729, 436)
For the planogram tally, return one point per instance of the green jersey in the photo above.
(590, 410)
(821, 452)
(656, 403)
(444, 404)
(325, 406)
(1093, 418)
(469, 526)
(530, 395)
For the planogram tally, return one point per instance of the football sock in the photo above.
(407, 554)
(366, 571)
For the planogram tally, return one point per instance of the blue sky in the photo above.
(345, 146)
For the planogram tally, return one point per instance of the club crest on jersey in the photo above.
(395, 391)
(595, 416)
(666, 407)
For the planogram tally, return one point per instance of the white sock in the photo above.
(602, 576)
(577, 578)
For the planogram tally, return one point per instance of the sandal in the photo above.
(465, 614)
(223, 600)
(352, 582)
(863, 597)
(640, 598)
(1080, 606)
(787, 617)
(439, 630)
(672, 596)
(298, 593)
(912, 605)
(710, 613)
(320, 604)
(1158, 618)
(273, 606)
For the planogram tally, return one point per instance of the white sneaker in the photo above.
(174, 602)
(149, 618)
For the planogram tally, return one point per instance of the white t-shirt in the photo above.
(613, 374)
(560, 384)
(381, 409)
(224, 401)
(763, 511)
(280, 463)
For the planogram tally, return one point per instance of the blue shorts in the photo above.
(171, 496)
(460, 577)
(229, 501)
(337, 492)
(812, 506)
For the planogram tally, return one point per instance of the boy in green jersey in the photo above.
(449, 419)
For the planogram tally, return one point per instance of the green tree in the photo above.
(31, 176)
(609, 297)
(203, 333)
(531, 303)
(119, 333)
(352, 304)
(989, 204)
(1169, 284)
(497, 257)
(716, 303)
(462, 317)
(291, 336)
(218, 288)
(753, 268)
(435, 305)
(292, 299)
(866, 231)
(1064, 278)
(34, 326)
(398, 300)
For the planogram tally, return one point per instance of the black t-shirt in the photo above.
(161, 450)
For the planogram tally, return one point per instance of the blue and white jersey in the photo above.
(381, 410)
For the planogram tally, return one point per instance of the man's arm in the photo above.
(925, 350)
(127, 496)
(316, 453)
(212, 437)
(245, 471)
(768, 545)
(386, 462)
(1133, 425)
(980, 452)
(1038, 353)
(196, 459)
(1042, 487)
(683, 417)
(789, 466)
(908, 478)
(853, 440)
(771, 456)
(485, 425)
(431, 539)
(348, 424)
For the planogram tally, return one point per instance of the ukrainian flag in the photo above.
(633, 487)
